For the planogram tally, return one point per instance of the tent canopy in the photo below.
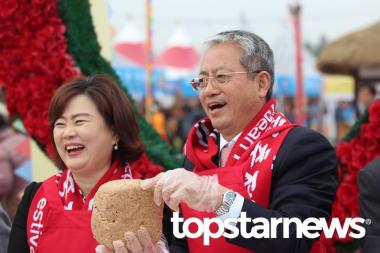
(352, 52)
(179, 52)
(130, 44)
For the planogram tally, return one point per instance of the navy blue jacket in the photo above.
(304, 183)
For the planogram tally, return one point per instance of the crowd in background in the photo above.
(173, 123)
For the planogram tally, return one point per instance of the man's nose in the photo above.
(211, 88)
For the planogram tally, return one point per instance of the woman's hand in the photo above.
(140, 244)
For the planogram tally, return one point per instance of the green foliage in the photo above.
(85, 50)
(354, 131)
(348, 248)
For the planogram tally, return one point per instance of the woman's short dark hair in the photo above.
(114, 106)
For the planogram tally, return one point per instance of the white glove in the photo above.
(140, 244)
(202, 193)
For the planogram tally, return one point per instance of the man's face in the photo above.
(230, 105)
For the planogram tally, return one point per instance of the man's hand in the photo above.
(140, 244)
(202, 193)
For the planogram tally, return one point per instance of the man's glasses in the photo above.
(220, 79)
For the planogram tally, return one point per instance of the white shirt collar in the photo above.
(223, 142)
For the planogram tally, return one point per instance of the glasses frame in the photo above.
(195, 82)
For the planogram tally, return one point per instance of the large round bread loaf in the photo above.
(121, 206)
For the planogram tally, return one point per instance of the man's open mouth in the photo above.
(215, 106)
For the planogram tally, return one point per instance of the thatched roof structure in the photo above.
(352, 52)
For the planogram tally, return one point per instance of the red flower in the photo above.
(369, 141)
(371, 130)
(347, 193)
(67, 73)
(360, 158)
(39, 1)
(374, 112)
(353, 156)
(8, 8)
(34, 62)
(144, 168)
(343, 151)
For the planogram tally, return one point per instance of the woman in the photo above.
(96, 140)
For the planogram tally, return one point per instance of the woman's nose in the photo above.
(69, 132)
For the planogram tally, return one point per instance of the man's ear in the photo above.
(264, 80)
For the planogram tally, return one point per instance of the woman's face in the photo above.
(82, 138)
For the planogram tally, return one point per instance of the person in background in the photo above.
(366, 95)
(173, 137)
(344, 118)
(158, 120)
(11, 185)
(96, 140)
(193, 113)
(369, 202)
(289, 110)
(246, 157)
(314, 114)
(5, 229)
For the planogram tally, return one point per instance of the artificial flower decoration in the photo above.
(43, 44)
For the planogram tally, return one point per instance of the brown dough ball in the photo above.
(121, 206)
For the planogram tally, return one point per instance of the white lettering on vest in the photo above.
(68, 186)
(266, 123)
(256, 132)
(90, 204)
(69, 206)
(36, 226)
(259, 153)
(250, 182)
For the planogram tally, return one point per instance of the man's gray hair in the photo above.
(257, 53)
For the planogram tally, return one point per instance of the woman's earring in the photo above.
(115, 146)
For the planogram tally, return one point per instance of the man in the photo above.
(274, 169)
(369, 201)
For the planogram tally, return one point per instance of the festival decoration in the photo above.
(355, 151)
(44, 43)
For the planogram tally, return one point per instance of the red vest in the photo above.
(231, 177)
(50, 228)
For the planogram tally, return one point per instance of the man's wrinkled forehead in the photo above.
(224, 62)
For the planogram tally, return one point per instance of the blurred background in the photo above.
(327, 58)
(178, 29)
